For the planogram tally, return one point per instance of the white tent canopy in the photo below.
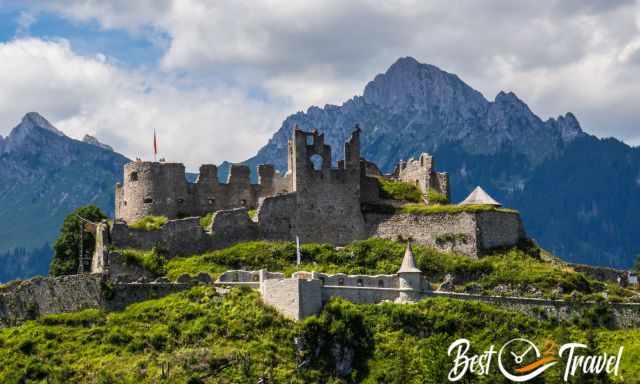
(479, 196)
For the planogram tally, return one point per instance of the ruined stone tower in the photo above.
(422, 174)
(327, 199)
(154, 188)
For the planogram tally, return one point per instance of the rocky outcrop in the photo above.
(93, 141)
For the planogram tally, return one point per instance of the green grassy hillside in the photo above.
(206, 335)
(525, 272)
(200, 336)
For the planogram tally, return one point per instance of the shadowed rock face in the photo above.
(572, 188)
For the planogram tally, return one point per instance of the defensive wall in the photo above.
(468, 233)
(28, 299)
(155, 188)
(305, 293)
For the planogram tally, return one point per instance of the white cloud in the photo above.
(558, 56)
(89, 95)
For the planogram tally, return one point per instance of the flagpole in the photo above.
(155, 146)
(298, 256)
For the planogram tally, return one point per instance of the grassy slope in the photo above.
(513, 268)
(199, 336)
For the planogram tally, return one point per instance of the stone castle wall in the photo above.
(466, 233)
(327, 199)
(498, 229)
(28, 299)
(469, 233)
(186, 236)
(305, 293)
(421, 173)
(153, 188)
(444, 231)
(295, 298)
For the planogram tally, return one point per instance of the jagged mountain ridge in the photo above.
(501, 145)
(418, 107)
(45, 175)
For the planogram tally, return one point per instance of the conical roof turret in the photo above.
(408, 261)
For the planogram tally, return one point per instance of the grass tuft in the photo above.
(149, 223)
(399, 190)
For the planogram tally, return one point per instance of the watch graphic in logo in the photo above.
(526, 358)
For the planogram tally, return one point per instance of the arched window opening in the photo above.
(316, 161)
(133, 176)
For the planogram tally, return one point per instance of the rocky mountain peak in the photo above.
(568, 126)
(33, 129)
(93, 141)
(34, 120)
(410, 85)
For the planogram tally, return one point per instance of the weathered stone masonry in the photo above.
(25, 300)
(305, 293)
(312, 201)
(152, 188)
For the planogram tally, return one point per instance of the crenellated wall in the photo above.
(327, 199)
(153, 188)
(305, 293)
(314, 201)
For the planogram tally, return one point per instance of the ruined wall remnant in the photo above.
(327, 199)
(25, 300)
(469, 233)
(29, 299)
(421, 173)
(153, 188)
(313, 201)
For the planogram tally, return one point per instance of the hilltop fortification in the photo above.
(313, 201)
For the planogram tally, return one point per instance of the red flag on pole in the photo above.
(155, 145)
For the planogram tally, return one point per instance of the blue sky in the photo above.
(216, 79)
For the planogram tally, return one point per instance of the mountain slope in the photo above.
(45, 175)
(579, 195)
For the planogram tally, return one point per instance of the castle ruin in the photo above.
(313, 201)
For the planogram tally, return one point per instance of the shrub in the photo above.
(435, 197)
(66, 250)
(149, 223)
(421, 209)
(399, 190)
(151, 260)
(206, 220)
(86, 318)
